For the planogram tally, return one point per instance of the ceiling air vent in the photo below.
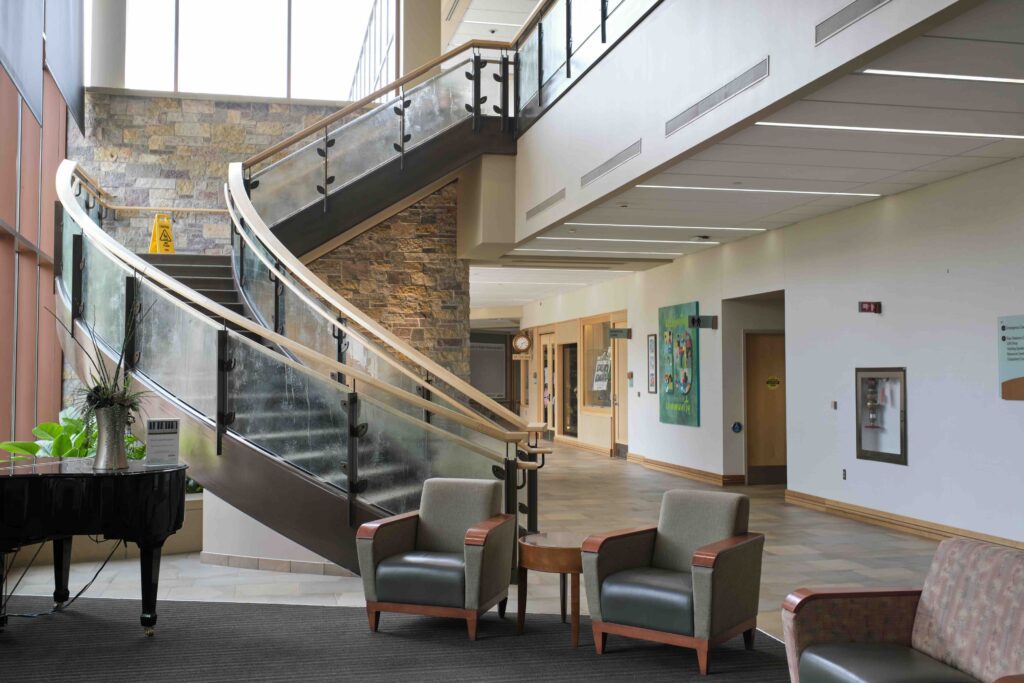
(854, 12)
(750, 77)
(616, 161)
(550, 201)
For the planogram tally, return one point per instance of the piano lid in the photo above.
(44, 465)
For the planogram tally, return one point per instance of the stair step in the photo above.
(206, 282)
(186, 259)
(221, 296)
(195, 270)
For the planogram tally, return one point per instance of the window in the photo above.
(326, 39)
(597, 364)
(148, 45)
(227, 48)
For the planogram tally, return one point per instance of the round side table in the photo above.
(557, 553)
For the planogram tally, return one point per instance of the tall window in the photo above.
(377, 65)
(148, 45)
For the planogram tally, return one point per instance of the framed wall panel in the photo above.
(10, 111)
(6, 335)
(28, 207)
(21, 49)
(64, 53)
(26, 346)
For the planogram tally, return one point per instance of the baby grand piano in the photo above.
(52, 499)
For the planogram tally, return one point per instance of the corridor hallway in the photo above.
(580, 492)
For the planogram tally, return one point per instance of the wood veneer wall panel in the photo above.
(27, 346)
(48, 394)
(28, 222)
(10, 104)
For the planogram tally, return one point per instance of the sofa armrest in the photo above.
(488, 553)
(1015, 678)
(380, 539)
(611, 552)
(726, 584)
(846, 615)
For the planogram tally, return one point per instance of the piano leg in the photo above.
(61, 570)
(3, 590)
(150, 560)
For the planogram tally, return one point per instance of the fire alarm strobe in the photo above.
(870, 307)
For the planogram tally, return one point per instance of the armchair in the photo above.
(452, 558)
(692, 581)
(966, 624)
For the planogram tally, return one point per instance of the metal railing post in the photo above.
(540, 66)
(77, 264)
(568, 38)
(403, 137)
(476, 109)
(342, 349)
(278, 299)
(604, 21)
(58, 242)
(425, 394)
(132, 318)
(225, 364)
(502, 77)
(356, 431)
(328, 179)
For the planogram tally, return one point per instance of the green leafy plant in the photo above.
(72, 437)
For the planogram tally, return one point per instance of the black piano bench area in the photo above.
(53, 499)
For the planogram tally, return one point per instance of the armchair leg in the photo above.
(600, 639)
(748, 639)
(501, 608)
(471, 622)
(702, 658)
(374, 618)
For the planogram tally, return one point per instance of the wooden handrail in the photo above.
(299, 271)
(380, 92)
(114, 249)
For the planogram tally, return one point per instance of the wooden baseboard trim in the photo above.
(693, 473)
(909, 525)
(582, 445)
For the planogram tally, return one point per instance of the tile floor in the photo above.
(582, 492)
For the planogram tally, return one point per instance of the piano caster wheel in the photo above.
(149, 631)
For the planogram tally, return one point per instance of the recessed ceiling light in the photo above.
(908, 131)
(669, 227)
(949, 77)
(490, 23)
(750, 189)
(587, 251)
(615, 239)
(578, 284)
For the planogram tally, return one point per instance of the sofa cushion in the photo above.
(651, 598)
(873, 663)
(971, 612)
(423, 578)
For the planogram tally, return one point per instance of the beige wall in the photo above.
(420, 35)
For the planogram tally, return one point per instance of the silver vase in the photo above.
(111, 425)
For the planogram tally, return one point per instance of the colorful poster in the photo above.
(1011, 357)
(679, 361)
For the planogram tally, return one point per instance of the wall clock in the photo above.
(521, 342)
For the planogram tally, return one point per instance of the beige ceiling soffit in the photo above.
(379, 217)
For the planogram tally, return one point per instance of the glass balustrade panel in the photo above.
(553, 40)
(440, 103)
(399, 453)
(177, 349)
(103, 292)
(526, 60)
(287, 410)
(258, 287)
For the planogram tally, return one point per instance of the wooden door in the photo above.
(620, 396)
(765, 370)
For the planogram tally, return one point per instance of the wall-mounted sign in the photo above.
(620, 333)
(1011, 357)
(521, 356)
(602, 372)
(652, 364)
(679, 359)
(869, 307)
(773, 383)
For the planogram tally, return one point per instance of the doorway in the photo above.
(548, 382)
(570, 390)
(765, 393)
(620, 395)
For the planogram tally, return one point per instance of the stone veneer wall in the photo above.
(405, 274)
(174, 151)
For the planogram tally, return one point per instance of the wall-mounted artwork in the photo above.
(882, 414)
(679, 365)
(652, 364)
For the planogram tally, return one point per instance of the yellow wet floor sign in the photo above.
(162, 240)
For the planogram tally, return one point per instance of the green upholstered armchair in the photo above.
(966, 624)
(692, 581)
(452, 558)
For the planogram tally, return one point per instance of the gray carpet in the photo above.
(101, 640)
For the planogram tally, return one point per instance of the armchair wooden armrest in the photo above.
(801, 597)
(370, 529)
(1015, 678)
(707, 555)
(478, 533)
(594, 542)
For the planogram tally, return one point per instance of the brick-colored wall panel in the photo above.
(10, 103)
(28, 344)
(6, 332)
(28, 223)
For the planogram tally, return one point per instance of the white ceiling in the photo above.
(489, 19)
(512, 286)
(986, 41)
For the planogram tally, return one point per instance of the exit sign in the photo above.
(870, 307)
